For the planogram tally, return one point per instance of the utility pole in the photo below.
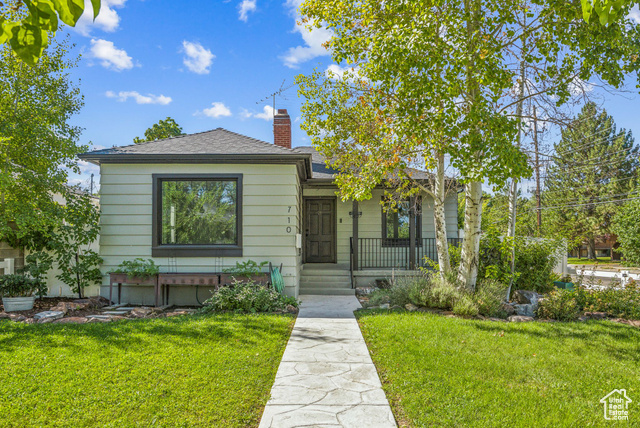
(535, 144)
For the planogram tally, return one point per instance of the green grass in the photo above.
(200, 371)
(600, 261)
(447, 372)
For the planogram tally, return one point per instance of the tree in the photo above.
(626, 225)
(38, 144)
(437, 78)
(163, 129)
(25, 24)
(594, 166)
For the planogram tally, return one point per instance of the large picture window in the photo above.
(395, 225)
(197, 215)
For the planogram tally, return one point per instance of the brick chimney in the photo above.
(282, 129)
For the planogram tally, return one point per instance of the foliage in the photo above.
(379, 297)
(465, 306)
(37, 264)
(189, 371)
(626, 225)
(246, 268)
(138, 267)
(608, 11)
(560, 305)
(623, 302)
(37, 143)
(489, 297)
(19, 285)
(478, 366)
(247, 297)
(158, 131)
(495, 214)
(594, 164)
(71, 242)
(25, 25)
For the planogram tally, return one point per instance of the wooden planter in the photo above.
(123, 278)
(261, 278)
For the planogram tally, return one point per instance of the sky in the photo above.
(208, 64)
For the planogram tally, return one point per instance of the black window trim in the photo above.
(186, 250)
(402, 242)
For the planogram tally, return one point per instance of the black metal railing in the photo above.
(379, 253)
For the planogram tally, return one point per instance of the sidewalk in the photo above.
(326, 377)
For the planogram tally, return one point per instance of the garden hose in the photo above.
(277, 280)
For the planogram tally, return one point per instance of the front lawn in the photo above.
(200, 371)
(587, 262)
(440, 371)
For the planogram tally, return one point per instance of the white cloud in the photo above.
(634, 14)
(197, 58)
(267, 113)
(88, 168)
(217, 110)
(580, 87)
(110, 56)
(123, 96)
(313, 39)
(244, 8)
(107, 19)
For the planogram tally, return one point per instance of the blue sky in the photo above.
(206, 64)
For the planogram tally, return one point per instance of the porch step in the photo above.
(328, 291)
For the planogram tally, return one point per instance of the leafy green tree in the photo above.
(431, 79)
(495, 214)
(25, 25)
(606, 10)
(71, 243)
(38, 145)
(163, 129)
(626, 225)
(595, 165)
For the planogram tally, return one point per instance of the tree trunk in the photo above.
(469, 257)
(591, 249)
(439, 218)
(78, 278)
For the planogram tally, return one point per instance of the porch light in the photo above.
(359, 214)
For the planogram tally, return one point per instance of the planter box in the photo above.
(563, 285)
(123, 278)
(261, 278)
(12, 304)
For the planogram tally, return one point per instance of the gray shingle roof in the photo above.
(217, 141)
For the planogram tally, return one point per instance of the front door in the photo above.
(320, 230)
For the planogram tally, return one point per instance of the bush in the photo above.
(247, 297)
(489, 297)
(623, 302)
(442, 294)
(561, 305)
(17, 285)
(626, 226)
(465, 306)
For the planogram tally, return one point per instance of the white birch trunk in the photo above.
(513, 195)
(439, 218)
(469, 257)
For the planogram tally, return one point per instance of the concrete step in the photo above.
(304, 278)
(335, 272)
(325, 285)
(328, 291)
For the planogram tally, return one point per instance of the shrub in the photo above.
(561, 305)
(535, 260)
(627, 227)
(247, 268)
(138, 267)
(18, 285)
(379, 297)
(465, 306)
(489, 297)
(442, 294)
(616, 301)
(247, 297)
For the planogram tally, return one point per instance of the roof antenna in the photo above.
(278, 93)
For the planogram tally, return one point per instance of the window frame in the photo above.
(402, 242)
(190, 250)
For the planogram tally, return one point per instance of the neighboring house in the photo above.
(605, 246)
(13, 259)
(202, 202)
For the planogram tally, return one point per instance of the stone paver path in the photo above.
(326, 377)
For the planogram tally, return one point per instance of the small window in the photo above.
(395, 225)
(197, 215)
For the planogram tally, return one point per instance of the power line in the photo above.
(591, 203)
(635, 192)
(568, 188)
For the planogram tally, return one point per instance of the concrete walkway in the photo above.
(326, 377)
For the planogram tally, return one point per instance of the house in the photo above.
(604, 246)
(204, 201)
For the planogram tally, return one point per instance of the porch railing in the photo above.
(379, 253)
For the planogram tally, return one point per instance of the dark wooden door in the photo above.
(320, 230)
